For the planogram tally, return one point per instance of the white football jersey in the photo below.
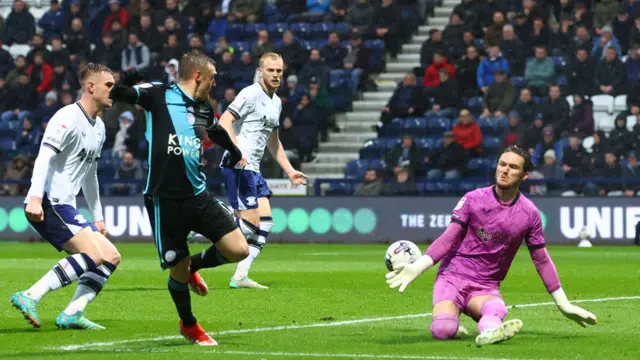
(258, 115)
(77, 139)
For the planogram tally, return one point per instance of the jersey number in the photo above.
(88, 157)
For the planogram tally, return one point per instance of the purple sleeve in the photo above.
(446, 242)
(460, 214)
(546, 268)
(535, 236)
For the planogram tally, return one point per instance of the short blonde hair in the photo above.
(93, 69)
(270, 55)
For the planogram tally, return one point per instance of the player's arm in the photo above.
(277, 151)
(205, 117)
(549, 275)
(90, 189)
(226, 122)
(128, 92)
(404, 274)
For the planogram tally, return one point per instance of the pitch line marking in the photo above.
(316, 325)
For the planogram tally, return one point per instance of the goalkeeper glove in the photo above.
(404, 274)
(575, 313)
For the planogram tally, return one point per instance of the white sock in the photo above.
(62, 274)
(245, 265)
(89, 286)
(255, 246)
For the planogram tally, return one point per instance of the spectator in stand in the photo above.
(563, 39)
(229, 96)
(52, 22)
(493, 32)
(47, 108)
(244, 71)
(540, 71)
(322, 103)
(289, 139)
(466, 73)
(549, 169)
(195, 43)
(136, 55)
(6, 61)
(541, 34)
(41, 75)
(404, 155)
(514, 133)
(620, 137)
(59, 55)
(315, 67)
(357, 61)
(361, 17)
(20, 26)
(129, 170)
(291, 94)
(430, 46)
(431, 77)
(389, 27)
(305, 121)
(217, 27)
(513, 50)
(448, 161)
(406, 101)
(452, 34)
(488, 67)
(635, 31)
(605, 12)
(575, 161)
(38, 46)
(470, 12)
(526, 107)
(467, 133)
(315, 11)
(605, 41)
(333, 53)
(338, 10)
(580, 73)
(499, 98)
(149, 35)
(446, 99)
(171, 71)
(611, 172)
(621, 27)
(263, 46)
(198, 16)
(27, 138)
(173, 50)
(244, 11)
(371, 185)
(19, 69)
(293, 54)
(18, 170)
(548, 142)
(467, 40)
(403, 184)
(116, 13)
(4, 99)
(632, 172)
(106, 53)
(77, 41)
(581, 115)
(171, 26)
(556, 110)
(632, 66)
(582, 16)
(75, 11)
(598, 149)
(533, 134)
(126, 139)
(610, 74)
(582, 40)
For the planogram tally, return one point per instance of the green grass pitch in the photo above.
(325, 302)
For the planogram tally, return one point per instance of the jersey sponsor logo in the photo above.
(183, 145)
(88, 156)
(53, 139)
(485, 236)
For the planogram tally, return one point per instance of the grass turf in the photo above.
(325, 286)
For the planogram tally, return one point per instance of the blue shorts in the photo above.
(244, 187)
(60, 224)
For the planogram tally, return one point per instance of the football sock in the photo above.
(182, 299)
(62, 274)
(255, 247)
(444, 326)
(492, 313)
(89, 286)
(252, 234)
(209, 258)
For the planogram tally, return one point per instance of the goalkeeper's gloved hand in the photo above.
(404, 274)
(131, 77)
(575, 313)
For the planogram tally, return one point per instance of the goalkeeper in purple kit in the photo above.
(476, 252)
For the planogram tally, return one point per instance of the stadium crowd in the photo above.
(559, 78)
(329, 48)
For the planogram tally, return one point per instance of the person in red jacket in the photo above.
(117, 13)
(431, 78)
(41, 74)
(467, 133)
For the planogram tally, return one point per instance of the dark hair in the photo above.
(528, 165)
(92, 69)
(193, 61)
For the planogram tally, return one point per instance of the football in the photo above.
(403, 251)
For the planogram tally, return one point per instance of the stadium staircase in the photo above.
(357, 125)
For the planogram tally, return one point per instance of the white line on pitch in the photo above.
(317, 325)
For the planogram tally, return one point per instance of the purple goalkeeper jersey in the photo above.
(495, 231)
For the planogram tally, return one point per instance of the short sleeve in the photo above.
(461, 212)
(59, 132)
(535, 236)
(242, 105)
(146, 93)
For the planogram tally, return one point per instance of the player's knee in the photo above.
(243, 251)
(495, 307)
(444, 326)
(113, 257)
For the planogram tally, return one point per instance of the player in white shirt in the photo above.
(252, 121)
(66, 163)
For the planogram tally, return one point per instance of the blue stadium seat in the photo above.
(6, 144)
(474, 104)
(377, 164)
(489, 126)
(373, 148)
(392, 141)
(336, 76)
(301, 30)
(425, 144)
(479, 43)
(394, 128)
(320, 31)
(234, 32)
(342, 29)
(436, 187)
(437, 142)
(376, 61)
(479, 167)
(491, 144)
(355, 169)
(438, 126)
(7, 132)
(559, 62)
(563, 80)
(415, 126)
(276, 30)
(340, 188)
(240, 46)
(272, 13)
(307, 45)
(466, 186)
(251, 30)
(518, 81)
(319, 44)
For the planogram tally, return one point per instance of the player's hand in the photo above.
(404, 274)
(243, 162)
(131, 77)
(578, 314)
(100, 226)
(298, 178)
(34, 210)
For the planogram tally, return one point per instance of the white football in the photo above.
(403, 251)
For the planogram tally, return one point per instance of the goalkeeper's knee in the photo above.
(444, 326)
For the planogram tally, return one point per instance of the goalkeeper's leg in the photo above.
(490, 311)
(445, 323)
